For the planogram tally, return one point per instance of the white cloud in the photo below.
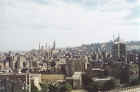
(68, 23)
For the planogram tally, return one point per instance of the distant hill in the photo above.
(133, 45)
(130, 45)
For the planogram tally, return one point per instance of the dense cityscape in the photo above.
(69, 45)
(101, 68)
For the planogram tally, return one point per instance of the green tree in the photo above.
(44, 87)
(34, 88)
(65, 87)
(53, 87)
(49, 87)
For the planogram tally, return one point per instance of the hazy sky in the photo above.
(23, 23)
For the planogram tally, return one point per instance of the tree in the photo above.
(49, 87)
(53, 87)
(44, 87)
(65, 87)
(34, 88)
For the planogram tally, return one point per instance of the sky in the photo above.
(25, 23)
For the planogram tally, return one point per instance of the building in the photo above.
(52, 77)
(131, 58)
(139, 64)
(77, 80)
(76, 65)
(10, 82)
(124, 74)
(119, 50)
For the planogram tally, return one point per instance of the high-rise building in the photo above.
(119, 50)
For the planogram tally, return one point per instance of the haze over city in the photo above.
(23, 23)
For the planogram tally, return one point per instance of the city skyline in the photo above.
(69, 22)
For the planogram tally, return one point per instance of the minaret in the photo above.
(46, 45)
(54, 45)
(118, 37)
(39, 45)
(49, 51)
(113, 37)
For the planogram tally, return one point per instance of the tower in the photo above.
(46, 46)
(39, 46)
(54, 45)
(49, 51)
(118, 50)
